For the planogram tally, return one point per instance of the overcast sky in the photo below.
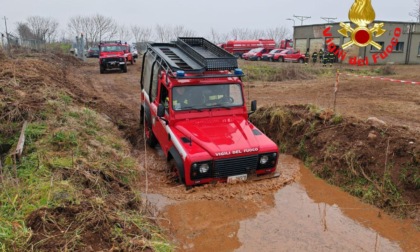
(200, 16)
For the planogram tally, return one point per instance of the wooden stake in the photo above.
(336, 88)
(21, 142)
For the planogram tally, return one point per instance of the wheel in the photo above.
(150, 137)
(300, 60)
(281, 59)
(101, 69)
(271, 59)
(174, 169)
(258, 58)
(124, 68)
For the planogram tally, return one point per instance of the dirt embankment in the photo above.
(72, 190)
(373, 161)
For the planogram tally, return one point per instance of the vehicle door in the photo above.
(158, 125)
(161, 123)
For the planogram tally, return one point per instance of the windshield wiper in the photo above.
(219, 105)
(193, 108)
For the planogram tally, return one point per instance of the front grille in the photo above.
(111, 59)
(235, 166)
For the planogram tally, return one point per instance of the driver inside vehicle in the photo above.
(180, 98)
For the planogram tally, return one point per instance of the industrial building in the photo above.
(400, 42)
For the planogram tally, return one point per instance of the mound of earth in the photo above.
(377, 162)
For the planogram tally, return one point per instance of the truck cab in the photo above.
(193, 106)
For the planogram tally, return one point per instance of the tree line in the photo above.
(100, 28)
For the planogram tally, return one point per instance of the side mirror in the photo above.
(161, 110)
(253, 107)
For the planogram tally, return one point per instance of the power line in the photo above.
(301, 18)
(328, 19)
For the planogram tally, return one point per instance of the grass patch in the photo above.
(73, 181)
(257, 71)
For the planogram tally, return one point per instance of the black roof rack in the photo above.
(192, 55)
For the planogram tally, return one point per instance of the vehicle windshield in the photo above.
(256, 50)
(207, 97)
(113, 48)
(273, 51)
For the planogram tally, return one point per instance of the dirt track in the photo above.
(117, 96)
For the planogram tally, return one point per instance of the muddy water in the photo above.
(304, 216)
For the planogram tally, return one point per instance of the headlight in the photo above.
(267, 160)
(263, 159)
(201, 170)
(204, 168)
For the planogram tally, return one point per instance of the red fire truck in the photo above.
(239, 47)
(193, 106)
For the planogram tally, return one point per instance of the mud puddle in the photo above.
(304, 216)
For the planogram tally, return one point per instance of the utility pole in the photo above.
(7, 35)
(328, 19)
(301, 18)
(5, 25)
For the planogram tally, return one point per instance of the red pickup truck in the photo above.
(290, 55)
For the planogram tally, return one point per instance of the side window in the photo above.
(154, 83)
(374, 49)
(164, 98)
(147, 72)
(399, 47)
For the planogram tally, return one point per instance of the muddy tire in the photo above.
(124, 69)
(281, 59)
(300, 61)
(101, 69)
(173, 168)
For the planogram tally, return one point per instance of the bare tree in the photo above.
(141, 34)
(95, 28)
(240, 33)
(214, 36)
(163, 33)
(217, 37)
(181, 31)
(246, 34)
(105, 27)
(75, 25)
(24, 31)
(42, 28)
(124, 34)
(416, 11)
(257, 34)
(277, 33)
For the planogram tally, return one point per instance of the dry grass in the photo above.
(73, 186)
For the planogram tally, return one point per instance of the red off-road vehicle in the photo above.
(111, 57)
(193, 105)
(128, 54)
